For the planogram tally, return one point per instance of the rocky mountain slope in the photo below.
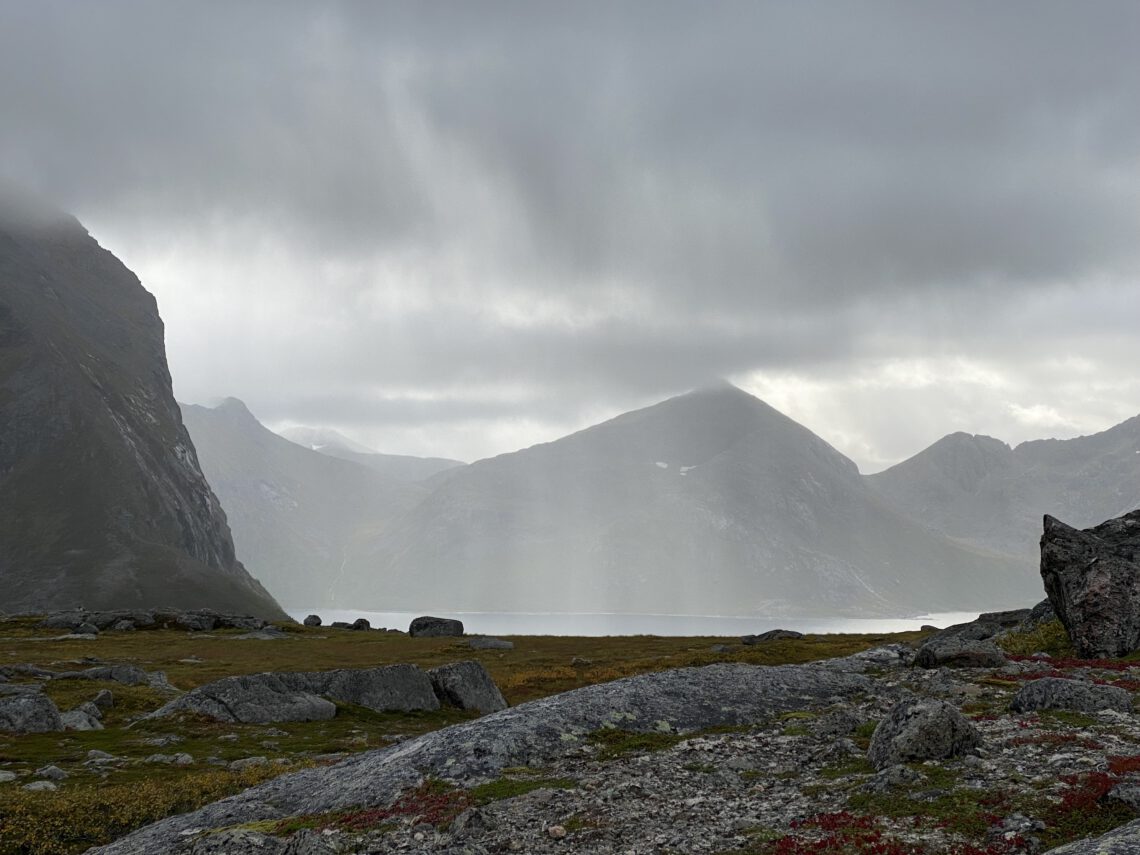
(712, 502)
(295, 513)
(980, 491)
(102, 502)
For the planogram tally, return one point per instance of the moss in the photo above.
(1051, 638)
(1069, 717)
(509, 788)
(612, 742)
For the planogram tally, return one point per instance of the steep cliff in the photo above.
(102, 501)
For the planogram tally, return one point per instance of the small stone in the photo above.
(103, 699)
(40, 786)
(7, 777)
(52, 773)
(556, 832)
(97, 756)
(487, 643)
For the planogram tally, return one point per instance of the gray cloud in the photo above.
(408, 218)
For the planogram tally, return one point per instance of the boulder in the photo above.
(1123, 840)
(1057, 693)
(921, 729)
(340, 624)
(361, 624)
(313, 620)
(251, 699)
(1092, 578)
(403, 688)
(80, 720)
(482, 642)
(306, 696)
(128, 675)
(771, 635)
(104, 699)
(1007, 619)
(1040, 614)
(467, 685)
(956, 652)
(428, 626)
(29, 712)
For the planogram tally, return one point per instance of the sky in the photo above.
(458, 229)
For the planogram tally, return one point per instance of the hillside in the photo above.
(102, 502)
(981, 491)
(711, 502)
(294, 512)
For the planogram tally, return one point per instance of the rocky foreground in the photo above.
(730, 759)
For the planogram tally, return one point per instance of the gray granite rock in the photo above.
(29, 712)
(80, 720)
(954, 651)
(921, 729)
(483, 642)
(427, 626)
(1092, 578)
(528, 734)
(307, 696)
(1056, 693)
(468, 686)
(1124, 840)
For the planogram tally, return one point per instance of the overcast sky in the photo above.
(462, 228)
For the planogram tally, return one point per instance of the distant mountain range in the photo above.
(397, 466)
(711, 502)
(296, 513)
(980, 491)
(102, 502)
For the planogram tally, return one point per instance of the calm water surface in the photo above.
(520, 623)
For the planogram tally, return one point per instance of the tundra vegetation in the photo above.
(104, 796)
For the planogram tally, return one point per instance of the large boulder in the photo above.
(953, 651)
(28, 712)
(1092, 578)
(921, 729)
(402, 688)
(1056, 693)
(251, 699)
(307, 696)
(428, 626)
(467, 685)
(313, 620)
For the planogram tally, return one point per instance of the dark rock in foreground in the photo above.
(530, 733)
(468, 686)
(427, 626)
(1055, 693)
(921, 729)
(313, 620)
(1093, 581)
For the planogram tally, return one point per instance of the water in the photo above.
(561, 623)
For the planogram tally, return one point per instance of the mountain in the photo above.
(316, 438)
(397, 466)
(711, 502)
(295, 512)
(102, 501)
(981, 491)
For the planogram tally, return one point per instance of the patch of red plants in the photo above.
(1118, 765)
(1071, 662)
(1056, 738)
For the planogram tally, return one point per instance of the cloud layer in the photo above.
(458, 228)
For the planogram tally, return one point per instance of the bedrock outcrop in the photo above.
(683, 700)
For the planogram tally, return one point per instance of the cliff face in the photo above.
(102, 501)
